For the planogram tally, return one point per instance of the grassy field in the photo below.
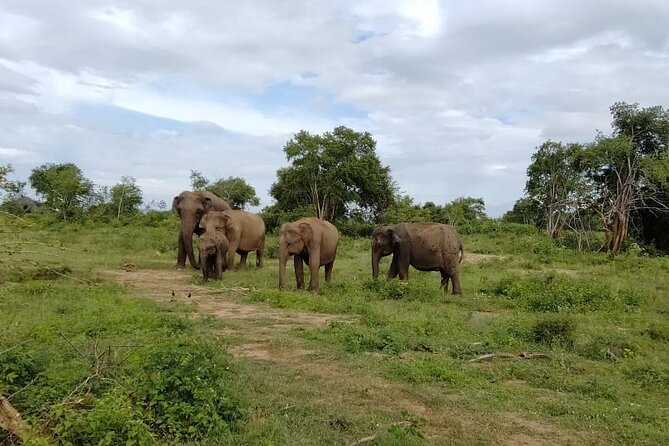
(102, 342)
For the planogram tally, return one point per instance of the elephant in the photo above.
(213, 254)
(312, 241)
(245, 232)
(425, 246)
(189, 207)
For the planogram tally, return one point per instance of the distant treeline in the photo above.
(590, 196)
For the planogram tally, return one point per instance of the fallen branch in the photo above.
(64, 275)
(512, 356)
(24, 387)
(13, 347)
(10, 419)
(221, 290)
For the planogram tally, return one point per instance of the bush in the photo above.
(609, 347)
(403, 289)
(556, 293)
(355, 228)
(554, 330)
(185, 391)
(109, 420)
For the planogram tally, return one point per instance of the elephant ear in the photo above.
(227, 222)
(175, 205)
(207, 204)
(393, 237)
(306, 231)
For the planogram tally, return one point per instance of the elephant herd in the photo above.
(223, 232)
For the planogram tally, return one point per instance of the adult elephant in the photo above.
(312, 241)
(425, 246)
(190, 207)
(245, 233)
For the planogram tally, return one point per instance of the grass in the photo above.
(396, 364)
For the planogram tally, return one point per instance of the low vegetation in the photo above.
(546, 343)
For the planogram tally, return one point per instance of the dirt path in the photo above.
(262, 333)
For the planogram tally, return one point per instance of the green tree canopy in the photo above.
(125, 197)
(236, 191)
(333, 173)
(63, 188)
(198, 181)
(526, 211)
(404, 210)
(614, 180)
(463, 210)
(553, 181)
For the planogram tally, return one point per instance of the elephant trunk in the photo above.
(283, 258)
(187, 230)
(376, 257)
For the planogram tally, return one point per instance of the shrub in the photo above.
(609, 346)
(648, 375)
(185, 391)
(402, 289)
(554, 330)
(556, 293)
(109, 420)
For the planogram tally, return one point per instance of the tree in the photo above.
(526, 211)
(404, 210)
(125, 197)
(629, 170)
(463, 210)
(62, 186)
(648, 131)
(552, 183)
(236, 191)
(198, 181)
(333, 173)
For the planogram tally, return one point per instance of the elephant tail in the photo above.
(461, 253)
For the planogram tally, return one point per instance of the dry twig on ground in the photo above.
(512, 356)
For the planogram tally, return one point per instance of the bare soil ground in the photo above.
(261, 333)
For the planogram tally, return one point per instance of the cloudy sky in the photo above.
(456, 93)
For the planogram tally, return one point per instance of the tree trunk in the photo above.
(619, 231)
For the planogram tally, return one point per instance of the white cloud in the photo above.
(457, 93)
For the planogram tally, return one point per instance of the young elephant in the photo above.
(425, 246)
(309, 240)
(213, 251)
(245, 232)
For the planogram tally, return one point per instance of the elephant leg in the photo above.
(232, 250)
(260, 254)
(218, 274)
(328, 271)
(393, 271)
(299, 272)
(181, 255)
(314, 264)
(403, 269)
(444, 280)
(454, 272)
(242, 260)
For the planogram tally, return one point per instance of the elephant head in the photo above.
(190, 207)
(293, 239)
(214, 221)
(213, 248)
(384, 242)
